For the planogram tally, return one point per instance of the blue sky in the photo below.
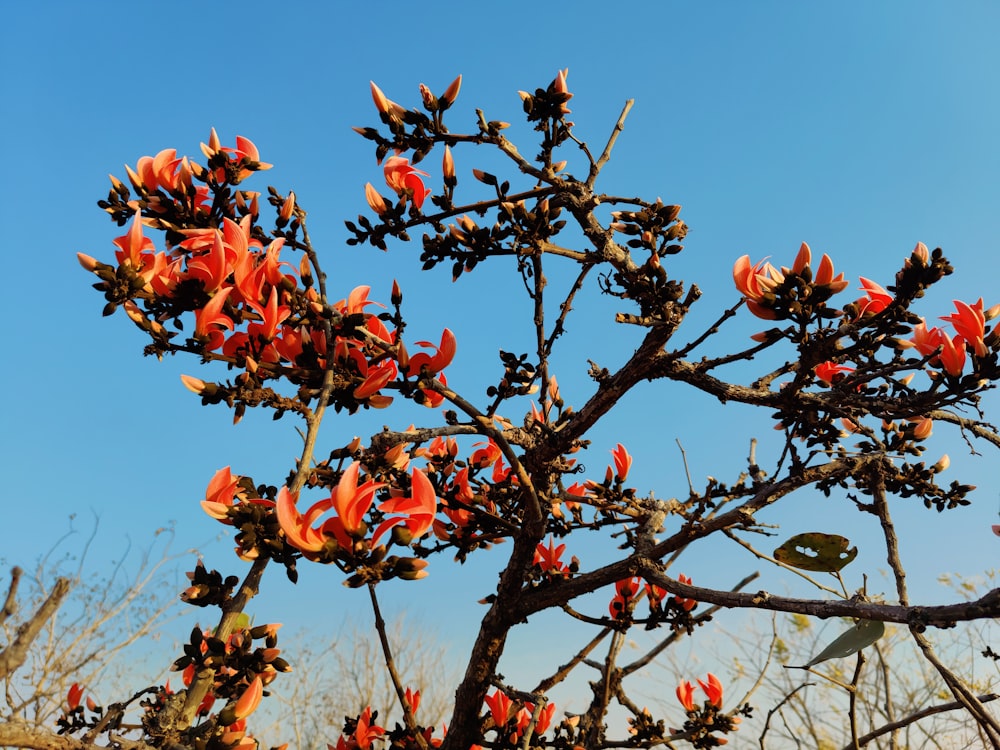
(858, 127)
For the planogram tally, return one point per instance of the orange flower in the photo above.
(830, 372)
(404, 179)
(926, 341)
(548, 559)
(875, 301)
(445, 353)
(385, 105)
(365, 732)
(133, 245)
(686, 604)
(625, 590)
(970, 323)
(713, 690)
(952, 354)
(824, 276)
(298, 527)
(74, 696)
(210, 319)
(753, 281)
(558, 86)
(448, 166)
(352, 501)
(220, 493)
(500, 707)
(250, 699)
(450, 94)
(419, 508)
(685, 694)
(485, 456)
(623, 461)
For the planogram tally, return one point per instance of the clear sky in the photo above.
(858, 127)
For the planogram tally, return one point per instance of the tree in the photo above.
(854, 388)
(103, 623)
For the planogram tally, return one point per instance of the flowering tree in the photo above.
(854, 386)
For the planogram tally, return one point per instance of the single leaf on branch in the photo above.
(857, 638)
(830, 552)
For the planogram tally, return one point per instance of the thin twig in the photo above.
(390, 665)
(597, 166)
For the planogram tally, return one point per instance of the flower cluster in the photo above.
(703, 721)
(510, 720)
(774, 294)
(252, 309)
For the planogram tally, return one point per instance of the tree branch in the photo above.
(12, 657)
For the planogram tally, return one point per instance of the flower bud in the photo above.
(451, 94)
(288, 207)
(922, 428)
(448, 167)
(375, 200)
(942, 463)
(430, 101)
(380, 99)
(196, 385)
(484, 177)
(88, 263)
(411, 569)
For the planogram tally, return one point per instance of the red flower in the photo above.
(625, 591)
(73, 696)
(548, 559)
(685, 694)
(686, 604)
(876, 301)
(132, 245)
(970, 323)
(352, 501)
(419, 508)
(250, 699)
(404, 179)
(623, 461)
(830, 372)
(220, 493)
(443, 356)
(753, 281)
(952, 354)
(713, 690)
(365, 732)
(500, 707)
(210, 318)
(926, 341)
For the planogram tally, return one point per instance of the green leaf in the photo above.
(828, 553)
(859, 636)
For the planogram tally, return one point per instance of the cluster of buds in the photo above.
(240, 668)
